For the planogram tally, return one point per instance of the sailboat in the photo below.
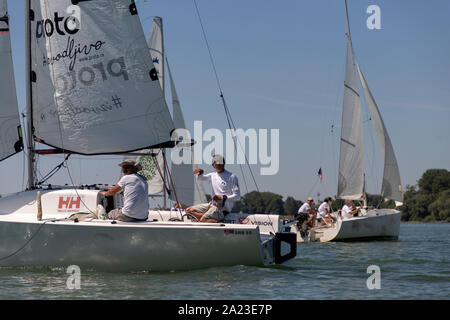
(372, 223)
(93, 89)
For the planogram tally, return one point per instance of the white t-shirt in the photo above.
(322, 210)
(345, 212)
(304, 208)
(135, 196)
(223, 184)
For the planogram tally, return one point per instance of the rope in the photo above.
(227, 111)
(172, 184)
(54, 170)
(26, 243)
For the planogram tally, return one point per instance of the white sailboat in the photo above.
(93, 89)
(372, 223)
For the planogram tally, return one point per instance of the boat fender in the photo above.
(285, 247)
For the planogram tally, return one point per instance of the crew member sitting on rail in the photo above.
(324, 212)
(348, 210)
(135, 195)
(306, 215)
(225, 189)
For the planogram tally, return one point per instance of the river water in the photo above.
(414, 267)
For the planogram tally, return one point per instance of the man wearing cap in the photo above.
(306, 214)
(135, 194)
(225, 189)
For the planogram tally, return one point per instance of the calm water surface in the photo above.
(415, 267)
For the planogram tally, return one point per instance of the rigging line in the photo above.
(26, 242)
(173, 185)
(155, 161)
(227, 111)
(242, 148)
(317, 180)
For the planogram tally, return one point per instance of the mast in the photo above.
(29, 118)
(348, 21)
(163, 87)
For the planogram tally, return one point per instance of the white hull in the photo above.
(118, 246)
(376, 224)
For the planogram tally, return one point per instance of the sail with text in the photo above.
(95, 89)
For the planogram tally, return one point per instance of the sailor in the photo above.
(225, 189)
(135, 194)
(348, 210)
(324, 212)
(306, 214)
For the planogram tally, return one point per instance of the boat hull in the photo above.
(376, 224)
(58, 241)
(126, 247)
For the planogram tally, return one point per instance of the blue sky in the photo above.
(281, 65)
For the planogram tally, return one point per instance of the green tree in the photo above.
(427, 201)
(291, 206)
(440, 208)
(434, 181)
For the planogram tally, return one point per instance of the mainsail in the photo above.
(95, 88)
(189, 190)
(351, 160)
(10, 132)
(392, 187)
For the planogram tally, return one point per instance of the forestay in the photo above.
(189, 190)
(95, 87)
(351, 160)
(10, 132)
(392, 187)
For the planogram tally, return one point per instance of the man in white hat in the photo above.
(307, 214)
(226, 191)
(135, 194)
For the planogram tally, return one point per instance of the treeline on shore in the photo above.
(428, 201)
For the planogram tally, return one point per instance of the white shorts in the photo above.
(210, 211)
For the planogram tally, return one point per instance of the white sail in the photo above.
(95, 88)
(188, 190)
(150, 169)
(351, 160)
(156, 45)
(391, 187)
(10, 133)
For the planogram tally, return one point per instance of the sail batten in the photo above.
(391, 186)
(96, 89)
(11, 141)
